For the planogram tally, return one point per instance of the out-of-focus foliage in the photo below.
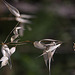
(49, 23)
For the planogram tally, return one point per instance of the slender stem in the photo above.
(7, 18)
(19, 43)
(11, 32)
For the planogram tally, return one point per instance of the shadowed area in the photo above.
(53, 19)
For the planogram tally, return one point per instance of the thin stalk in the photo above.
(11, 32)
(7, 19)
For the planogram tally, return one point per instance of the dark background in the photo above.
(54, 19)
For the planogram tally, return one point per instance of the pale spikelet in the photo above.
(49, 49)
(6, 55)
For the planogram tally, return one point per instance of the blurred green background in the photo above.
(54, 19)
